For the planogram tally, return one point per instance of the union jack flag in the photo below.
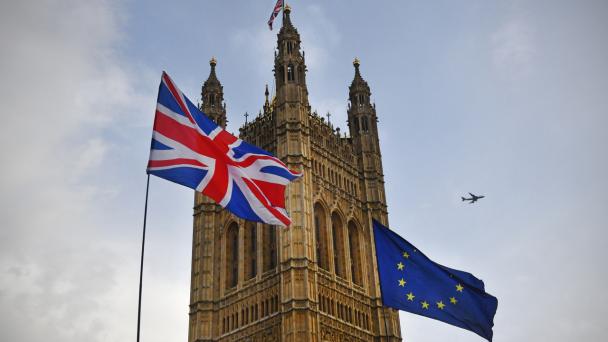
(275, 12)
(188, 148)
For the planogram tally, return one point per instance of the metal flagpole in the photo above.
(141, 268)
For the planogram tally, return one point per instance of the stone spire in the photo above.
(358, 84)
(287, 25)
(362, 121)
(361, 113)
(289, 62)
(266, 101)
(212, 79)
(212, 96)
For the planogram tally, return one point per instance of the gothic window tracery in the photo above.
(321, 232)
(338, 236)
(232, 255)
(270, 247)
(355, 253)
(251, 250)
(280, 76)
(364, 123)
(290, 73)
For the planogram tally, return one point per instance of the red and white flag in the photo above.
(275, 12)
(190, 149)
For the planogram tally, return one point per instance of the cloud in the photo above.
(258, 43)
(61, 273)
(319, 35)
(317, 31)
(513, 48)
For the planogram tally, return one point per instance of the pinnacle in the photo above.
(287, 20)
(212, 79)
(358, 78)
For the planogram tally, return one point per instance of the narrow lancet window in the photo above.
(321, 233)
(338, 237)
(232, 255)
(355, 254)
(365, 123)
(270, 247)
(251, 250)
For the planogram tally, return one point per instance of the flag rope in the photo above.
(141, 268)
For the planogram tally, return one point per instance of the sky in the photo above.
(501, 98)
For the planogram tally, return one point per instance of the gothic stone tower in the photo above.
(316, 280)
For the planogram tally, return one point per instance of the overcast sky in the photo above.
(506, 99)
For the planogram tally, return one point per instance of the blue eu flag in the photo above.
(412, 282)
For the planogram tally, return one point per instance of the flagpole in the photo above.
(141, 268)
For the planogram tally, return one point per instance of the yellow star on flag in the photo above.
(400, 266)
(459, 288)
(453, 300)
(405, 255)
(440, 305)
(401, 282)
(410, 297)
(425, 305)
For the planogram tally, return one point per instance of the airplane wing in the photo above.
(472, 195)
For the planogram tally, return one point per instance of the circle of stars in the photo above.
(423, 303)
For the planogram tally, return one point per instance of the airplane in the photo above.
(473, 198)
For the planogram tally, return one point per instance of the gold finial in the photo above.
(356, 62)
(287, 8)
(213, 61)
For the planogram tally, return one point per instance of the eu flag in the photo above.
(412, 282)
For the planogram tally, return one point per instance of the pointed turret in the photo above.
(212, 96)
(289, 64)
(362, 121)
(290, 104)
(358, 82)
(287, 25)
(266, 101)
(361, 113)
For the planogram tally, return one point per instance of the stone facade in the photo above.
(316, 280)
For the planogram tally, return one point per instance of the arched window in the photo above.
(270, 247)
(364, 123)
(338, 235)
(232, 255)
(281, 76)
(212, 100)
(251, 250)
(355, 253)
(290, 73)
(356, 120)
(321, 233)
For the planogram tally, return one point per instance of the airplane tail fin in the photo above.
(463, 199)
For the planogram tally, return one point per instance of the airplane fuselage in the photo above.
(473, 198)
